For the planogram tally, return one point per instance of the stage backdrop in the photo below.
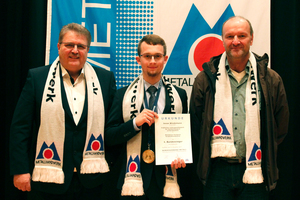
(191, 29)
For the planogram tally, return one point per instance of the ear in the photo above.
(58, 46)
(166, 59)
(252, 39)
(138, 59)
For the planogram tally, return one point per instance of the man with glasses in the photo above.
(131, 122)
(57, 132)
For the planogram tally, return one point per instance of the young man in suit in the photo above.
(57, 132)
(131, 122)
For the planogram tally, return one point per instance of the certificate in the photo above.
(172, 138)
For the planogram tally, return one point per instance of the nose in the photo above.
(152, 59)
(75, 50)
(236, 40)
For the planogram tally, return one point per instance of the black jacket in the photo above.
(117, 132)
(26, 122)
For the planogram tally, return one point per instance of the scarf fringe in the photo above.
(223, 150)
(93, 166)
(253, 176)
(133, 188)
(172, 190)
(48, 175)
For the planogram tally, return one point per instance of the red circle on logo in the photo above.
(48, 154)
(258, 154)
(217, 130)
(207, 48)
(96, 145)
(133, 167)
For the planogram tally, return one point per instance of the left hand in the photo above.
(178, 163)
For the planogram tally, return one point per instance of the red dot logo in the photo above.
(133, 167)
(48, 153)
(217, 130)
(96, 145)
(258, 154)
(203, 49)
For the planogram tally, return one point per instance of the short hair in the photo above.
(152, 39)
(76, 28)
(251, 29)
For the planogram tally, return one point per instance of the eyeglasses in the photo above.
(148, 57)
(72, 46)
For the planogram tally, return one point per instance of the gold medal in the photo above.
(148, 156)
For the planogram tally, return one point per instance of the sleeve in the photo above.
(196, 108)
(21, 131)
(281, 112)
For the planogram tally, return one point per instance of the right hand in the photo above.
(22, 182)
(146, 116)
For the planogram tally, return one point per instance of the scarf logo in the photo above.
(220, 131)
(48, 155)
(133, 165)
(133, 104)
(170, 93)
(255, 155)
(51, 86)
(253, 87)
(95, 146)
(94, 89)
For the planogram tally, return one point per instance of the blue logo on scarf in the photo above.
(255, 154)
(95, 144)
(133, 165)
(220, 128)
(48, 152)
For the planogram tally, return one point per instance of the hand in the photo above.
(178, 163)
(22, 182)
(146, 116)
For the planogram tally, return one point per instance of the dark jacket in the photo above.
(274, 116)
(26, 122)
(118, 132)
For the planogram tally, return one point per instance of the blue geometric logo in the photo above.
(220, 128)
(133, 165)
(196, 43)
(255, 153)
(48, 152)
(95, 144)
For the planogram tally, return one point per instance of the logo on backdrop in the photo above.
(196, 43)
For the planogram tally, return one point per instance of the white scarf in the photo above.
(132, 103)
(51, 135)
(222, 142)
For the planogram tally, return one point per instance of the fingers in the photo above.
(178, 163)
(22, 182)
(146, 116)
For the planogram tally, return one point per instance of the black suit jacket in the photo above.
(118, 132)
(26, 122)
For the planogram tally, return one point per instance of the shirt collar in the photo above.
(147, 85)
(66, 74)
(248, 65)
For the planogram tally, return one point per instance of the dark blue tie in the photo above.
(152, 89)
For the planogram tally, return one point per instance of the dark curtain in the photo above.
(24, 38)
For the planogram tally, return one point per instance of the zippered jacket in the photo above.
(274, 116)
